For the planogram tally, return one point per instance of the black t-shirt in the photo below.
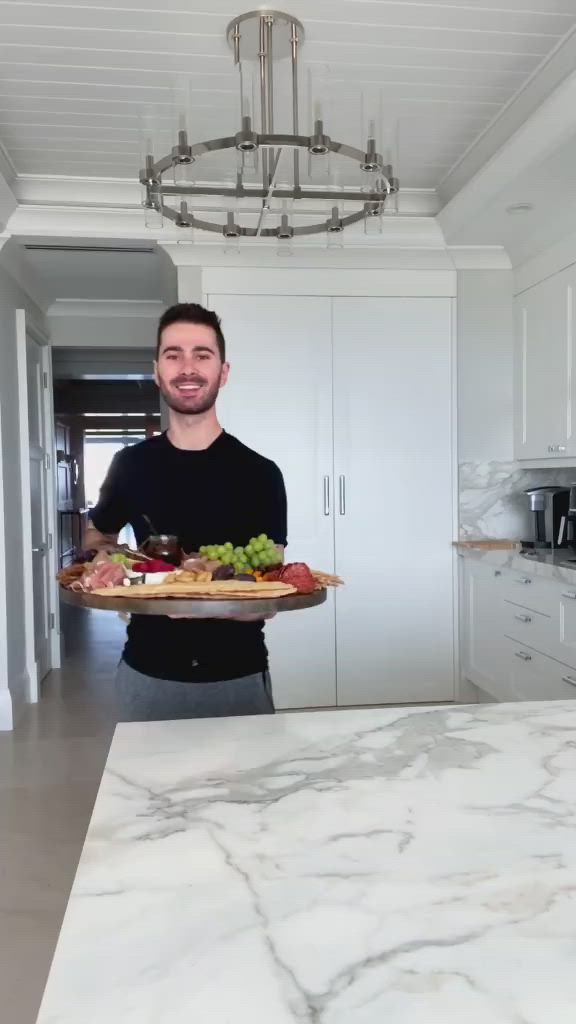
(226, 492)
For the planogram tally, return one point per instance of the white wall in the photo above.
(104, 331)
(12, 297)
(485, 365)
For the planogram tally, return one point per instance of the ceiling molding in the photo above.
(552, 260)
(27, 222)
(548, 128)
(544, 81)
(14, 262)
(110, 308)
(479, 257)
(8, 201)
(64, 191)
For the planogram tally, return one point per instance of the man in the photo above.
(201, 484)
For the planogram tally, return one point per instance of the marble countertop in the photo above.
(345, 867)
(547, 564)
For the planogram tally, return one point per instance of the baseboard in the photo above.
(13, 701)
(6, 710)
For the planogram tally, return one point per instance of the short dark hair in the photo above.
(192, 313)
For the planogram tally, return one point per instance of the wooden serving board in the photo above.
(194, 607)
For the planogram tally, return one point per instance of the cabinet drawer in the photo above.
(528, 591)
(534, 676)
(528, 627)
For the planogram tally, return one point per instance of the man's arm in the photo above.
(111, 513)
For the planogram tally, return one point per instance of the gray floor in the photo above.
(50, 769)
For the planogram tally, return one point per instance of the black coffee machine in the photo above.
(551, 523)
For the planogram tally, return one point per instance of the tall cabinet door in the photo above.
(279, 401)
(394, 500)
(544, 353)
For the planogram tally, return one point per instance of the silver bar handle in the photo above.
(523, 618)
(523, 656)
(326, 495)
(342, 495)
(569, 679)
(571, 597)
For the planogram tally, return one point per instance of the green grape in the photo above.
(229, 546)
(238, 552)
(263, 538)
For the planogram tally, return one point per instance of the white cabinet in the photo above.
(534, 676)
(544, 359)
(352, 398)
(483, 640)
(518, 634)
(393, 516)
(279, 402)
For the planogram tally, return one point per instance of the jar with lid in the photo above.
(165, 547)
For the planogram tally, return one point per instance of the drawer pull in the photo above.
(569, 679)
(523, 618)
(525, 581)
(571, 597)
(525, 657)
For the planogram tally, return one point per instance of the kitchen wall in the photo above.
(491, 484)
(13, 659)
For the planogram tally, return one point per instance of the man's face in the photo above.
(188, 371)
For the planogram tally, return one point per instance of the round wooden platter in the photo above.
(194, 607)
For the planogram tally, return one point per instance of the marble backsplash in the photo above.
(492, 502)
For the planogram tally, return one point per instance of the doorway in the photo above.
(95, 418)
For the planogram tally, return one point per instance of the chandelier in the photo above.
(267, 37)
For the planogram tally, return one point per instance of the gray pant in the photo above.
(144, 698)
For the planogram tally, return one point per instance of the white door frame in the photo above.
(6, 712)
(26, 327)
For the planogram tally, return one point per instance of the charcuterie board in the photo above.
(219, 582)
(204, 608)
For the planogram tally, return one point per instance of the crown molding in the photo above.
(548, 77)
(479, 257)
(111, 308)
(399, 231)
(551, 261)
(8, 201)
(550, 125)
(13, 261)
(117, 193)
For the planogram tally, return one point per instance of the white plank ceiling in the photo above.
(85, 83)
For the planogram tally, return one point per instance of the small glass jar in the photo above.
(163, 546)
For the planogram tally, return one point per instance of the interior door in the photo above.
(279, 401)
(394, 516)
(38, 506)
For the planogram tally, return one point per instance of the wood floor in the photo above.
(50, 769)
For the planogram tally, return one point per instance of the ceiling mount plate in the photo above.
(248, 26)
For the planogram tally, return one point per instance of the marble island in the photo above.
(411, 866)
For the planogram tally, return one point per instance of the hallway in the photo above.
(50, 770)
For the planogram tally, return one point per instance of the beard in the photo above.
(193, 404)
